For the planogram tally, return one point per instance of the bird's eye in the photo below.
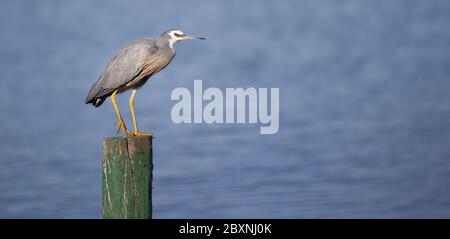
(177, 35)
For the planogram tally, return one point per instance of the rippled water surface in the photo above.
(364, 107)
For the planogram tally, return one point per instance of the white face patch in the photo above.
(175, 36)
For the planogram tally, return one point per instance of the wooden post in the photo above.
(127, 177)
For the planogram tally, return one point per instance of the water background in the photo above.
(364, 107)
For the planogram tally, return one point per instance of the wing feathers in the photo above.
(123, 68)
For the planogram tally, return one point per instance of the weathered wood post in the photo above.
(127, 177)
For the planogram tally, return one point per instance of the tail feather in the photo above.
(98, 94)
(99, 101)
(95, 96)
(92, 94)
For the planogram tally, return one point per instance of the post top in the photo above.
(129, 137)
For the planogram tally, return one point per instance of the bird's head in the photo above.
(175, 35)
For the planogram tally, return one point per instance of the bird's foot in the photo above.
(126, 132)
(137, 133)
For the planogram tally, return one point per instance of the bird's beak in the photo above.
(191, 37)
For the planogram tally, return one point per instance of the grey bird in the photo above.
(131, 68)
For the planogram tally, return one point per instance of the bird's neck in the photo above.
(166, 43)
(172, 41)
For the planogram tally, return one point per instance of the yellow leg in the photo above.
(131, 104)
(121, 123)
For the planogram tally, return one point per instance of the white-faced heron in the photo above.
(131, 68)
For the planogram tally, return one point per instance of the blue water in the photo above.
(364, 108)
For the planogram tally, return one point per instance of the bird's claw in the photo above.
(137, 134)
(121, 125)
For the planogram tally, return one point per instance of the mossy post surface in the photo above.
(127, 178)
